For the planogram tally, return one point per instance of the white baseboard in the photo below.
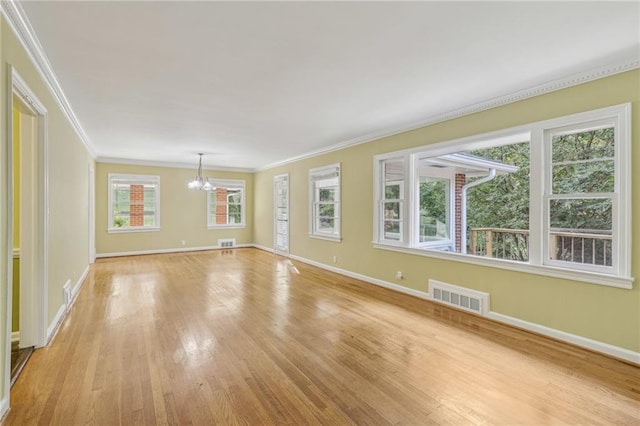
(62, 312)
(259, 247)
(594, 345)
(375, 281)
(76, 288)
(53, 327)
(15, 336)
(169, 250)
(4, 406)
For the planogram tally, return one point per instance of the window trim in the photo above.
(615, 196)
(135, 180)
(619, 276)
(379, 212)
(233, 184)
(313, 232)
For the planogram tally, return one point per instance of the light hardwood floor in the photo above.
(245, 337)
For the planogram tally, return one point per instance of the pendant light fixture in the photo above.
(199, 181)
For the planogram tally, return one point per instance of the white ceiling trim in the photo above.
(176, 165)
(21, 27)
(552, 86)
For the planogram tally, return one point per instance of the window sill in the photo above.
(126, 230)
(549, 271)
(326, 238)
(234, 226)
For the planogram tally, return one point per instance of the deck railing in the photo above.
(500, 243)
(569, 245)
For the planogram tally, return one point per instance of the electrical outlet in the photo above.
(183, 242)
(335, 259)
(399, 275)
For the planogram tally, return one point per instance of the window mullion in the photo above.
(538, 205)
(411, 213)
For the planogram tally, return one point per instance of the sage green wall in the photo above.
(597, 312)
(183, 212)
(68, 181)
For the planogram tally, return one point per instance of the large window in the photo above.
(581, 195)
(225, 204)
(134, 203)
(551, 197)
(324, 197)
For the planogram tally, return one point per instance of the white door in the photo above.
(281, 213)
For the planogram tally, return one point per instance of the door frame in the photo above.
(92, 217)
(34, 293)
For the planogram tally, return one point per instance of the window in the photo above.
(225, 204)
(581, 196)
(393, 181)
(134, 203)
(324, 195)
(551, 197)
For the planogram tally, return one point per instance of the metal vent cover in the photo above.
(226, 243)
(459, 297)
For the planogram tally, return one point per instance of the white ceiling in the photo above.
(252, 84)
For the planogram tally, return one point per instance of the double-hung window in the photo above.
(226, 204)
(134, 203)
(581, 197)
(392, 202)
(551, 197)
(324, 197)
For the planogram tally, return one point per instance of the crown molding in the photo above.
(552, 86)
(17, 20)
(174, 165)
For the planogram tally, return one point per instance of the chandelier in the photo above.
(199, 181)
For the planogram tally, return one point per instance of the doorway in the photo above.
(281, 214)
(22, 143)
(26, 228)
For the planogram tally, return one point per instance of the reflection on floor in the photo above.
(19, 358)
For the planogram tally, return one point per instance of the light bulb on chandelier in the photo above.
(199, 181)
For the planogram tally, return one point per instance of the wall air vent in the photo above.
(459, 297)
(227, 243)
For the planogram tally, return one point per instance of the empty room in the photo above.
(331, 213)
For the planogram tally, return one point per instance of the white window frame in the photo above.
(229, 184)
(133, 180)
(380, 193)
(539, 135)
(314, 176)
(615, 196)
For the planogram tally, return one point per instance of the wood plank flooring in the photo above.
(246, 337)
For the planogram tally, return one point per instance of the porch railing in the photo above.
(500, 243)
(579, 246)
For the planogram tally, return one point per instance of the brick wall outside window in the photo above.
(136, 217)
(221, 206)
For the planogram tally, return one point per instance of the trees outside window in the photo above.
(324, 197)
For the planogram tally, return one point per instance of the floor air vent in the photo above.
(459, 297)
(230, 242)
